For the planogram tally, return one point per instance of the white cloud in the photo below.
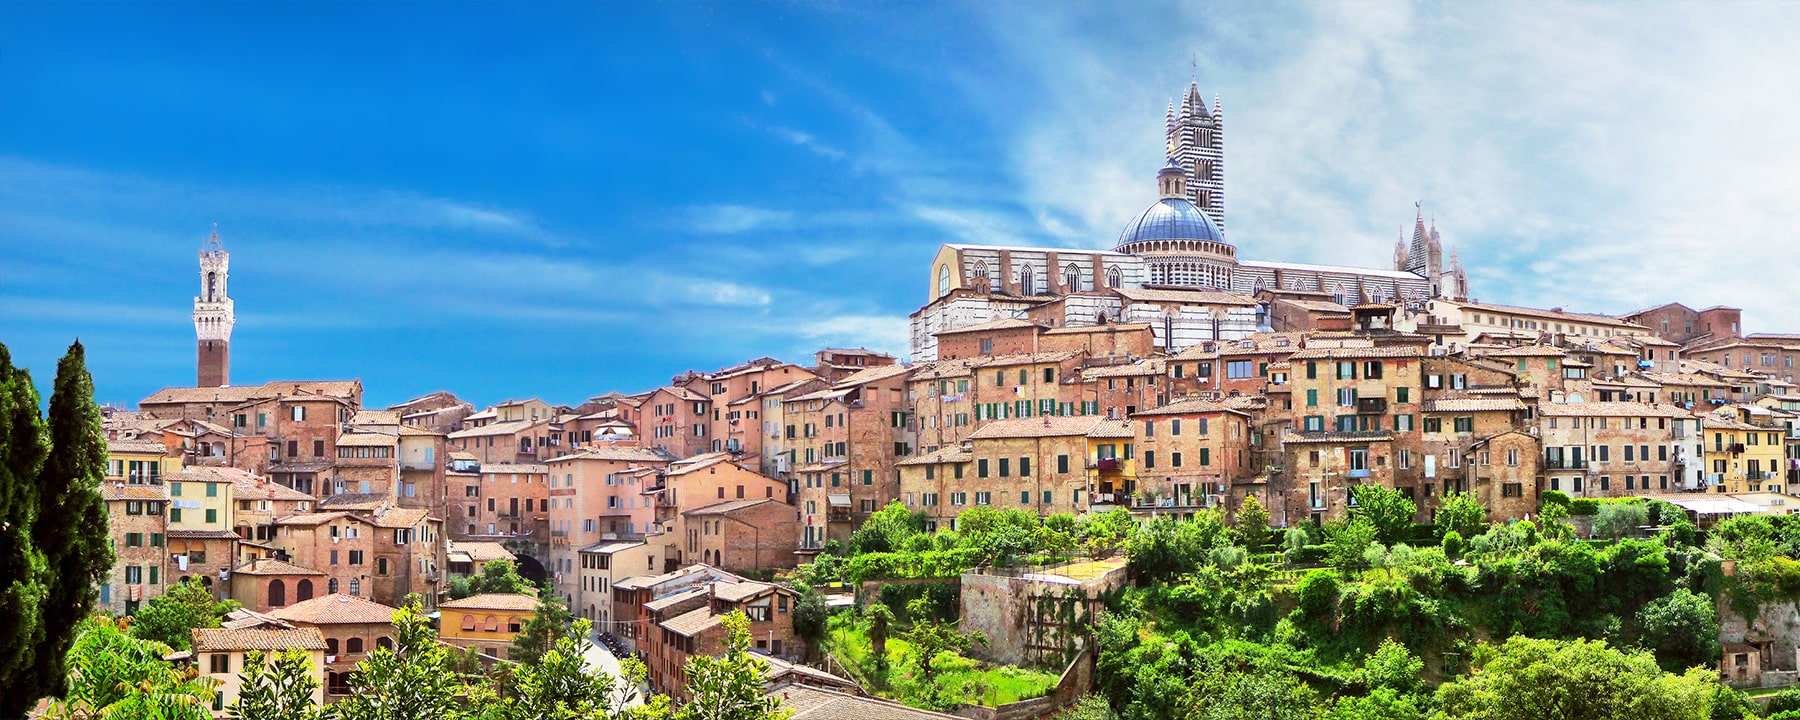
(1600, 157)
(806, 140)
(877, 332)
(732, 219)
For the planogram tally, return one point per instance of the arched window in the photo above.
(277, 593)
(1338, 296)
(212, 286)
(468, 621)
(304, 591)
(331, 646)
(1072, 277)
(384, 642)
(1114, 277)
(356, 586)
(381, 566)
(981, 277)
(943, 280)
(331, 586)
(490, 623)
(1027, 283)
(353, 646)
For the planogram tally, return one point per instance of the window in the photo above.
(1005, 467)
(1175, 426)
(1024, 467)
(1175, 459)
(1062, 464)
(1240, 369)
(219, 663)
(981, 468)
(1149, 459)
(1024, 497)
(1434, 424)
(1312, 397)
(1402, 395)
(298, 413)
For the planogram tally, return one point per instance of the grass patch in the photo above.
(960, 680)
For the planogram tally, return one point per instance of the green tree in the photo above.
(1088, 707)
(1556, 521)
(887, 529)
(171, 617)
(1389, 510)
(1461, 513)
(276, 687)
(560, 685)
(114, 675)
(1683, 628)
(1253, 523)
(929, 638)
(881, 622)
(542, 630)
(1101, 534)
(730, 687)
(1393, 666)
(1618, 519)
(411, 680)
(1167, 548)
(1573, 680)
(497, 576)
(23, 447)
(1348, 543)
(71, 524)
(811, 619)
(1256, 694)
(1380, 704)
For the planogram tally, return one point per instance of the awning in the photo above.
(837, 500)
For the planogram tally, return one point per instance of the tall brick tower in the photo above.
(213, 317)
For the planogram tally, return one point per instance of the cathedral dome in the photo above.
(1170, 218)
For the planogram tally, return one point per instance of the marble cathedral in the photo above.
(1171, 267)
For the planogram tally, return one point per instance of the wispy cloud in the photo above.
(731, 219)
(806, 140)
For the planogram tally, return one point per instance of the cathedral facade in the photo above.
(1171, 267)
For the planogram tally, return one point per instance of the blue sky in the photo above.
(561, 199)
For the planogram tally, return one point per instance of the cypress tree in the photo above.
(23, 446)
(71, 525)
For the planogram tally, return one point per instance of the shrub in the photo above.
(1454, 545)
(1584, 506)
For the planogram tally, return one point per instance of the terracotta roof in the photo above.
(1088, 329)
(1609, 409)
(500, 428)
(1025, 359)
(515, 468)
(250, 487)
(1552, 314)
(625, 453)
(946, 454)
(1259, 344)
(367, 439)
(608, 548)
(942, 369)
(741, 591)
(336, 609)
(1714, 422)
(1037, 427)
(401, 517)
(495, 601)
(1185, 407)
(242, 393)
(225, 639)
(481, 551)
(123, 491)
(1358, 353)
(271, 566)
(1000, 324)
(1141, 368)
(730, 506)
(311, 518)
(1528, 351)
(1110, 429)
(353, 501)
(874, 374)
(1474, 405)
(203, 534)
(668, 601)
(691, 623)
(136, 446)
(814, 703)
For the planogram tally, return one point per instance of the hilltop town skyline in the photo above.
(776, 205)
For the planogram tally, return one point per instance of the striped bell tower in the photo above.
(213, 315)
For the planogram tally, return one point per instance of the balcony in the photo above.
(1104, 464)
(1358, 474)
(1371, 406)
(1562, 464)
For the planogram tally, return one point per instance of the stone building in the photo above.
(219, 653)
(1355, 408)
(698, 482)
(603, 565)
(635, 597)
(486, 622)
(1041, 465)
(1191, 454)
(1617, 449)
(139, 531)
(1171, 268)
(687, 624)
(266, 584)
(597, 496)
(352, 627)
(744, 536)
